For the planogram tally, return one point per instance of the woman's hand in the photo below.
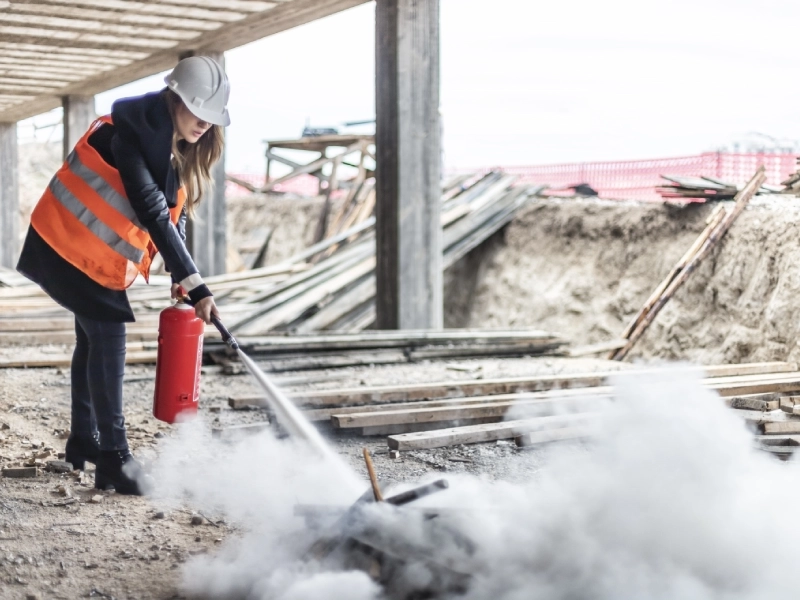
(176, 291)
(205, 308)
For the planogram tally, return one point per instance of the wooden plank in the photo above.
(711, 224)
(779, 440)
(780, 427)
(303, 362)
(758, 417)
(598, 348)
(749, 369)
(383, 430)
(232, 432)
(785, 385)
(9, 195)
(490, 432)
(296, 286)
(451, 413)
(535, 438)
(286, 313)
(313, 342)
(762, 402)
(408, 164)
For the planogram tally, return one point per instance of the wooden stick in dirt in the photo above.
(373, 479)
(741, 201)
(711, 224)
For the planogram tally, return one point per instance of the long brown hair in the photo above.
(193, 162)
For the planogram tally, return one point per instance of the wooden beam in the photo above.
(206, 238)
(490, 432)
(408, 207)
(79, 112)
(534, 438)
(444, 413)
(113, 17)
(561, 397)
(9, 195)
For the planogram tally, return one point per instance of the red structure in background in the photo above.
(630, 179)
(637, 179)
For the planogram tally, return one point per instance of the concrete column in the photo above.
(409, 235)
(79, 113)
(9, 195)
(206, 236)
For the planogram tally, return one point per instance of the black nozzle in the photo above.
(227, 337)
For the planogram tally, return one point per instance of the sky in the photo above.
(535, 82)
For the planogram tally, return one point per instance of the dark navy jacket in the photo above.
(139, 146)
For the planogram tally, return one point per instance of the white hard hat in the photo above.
(203, 86)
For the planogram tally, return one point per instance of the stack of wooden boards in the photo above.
(337, 292)
(328, 286)
(777, 419)
(705, 188)
(531, 410)
(300, 352)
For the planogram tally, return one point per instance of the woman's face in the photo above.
(190, 128)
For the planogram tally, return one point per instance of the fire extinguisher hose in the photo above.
(227, 336)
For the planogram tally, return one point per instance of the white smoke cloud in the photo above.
(671, 501)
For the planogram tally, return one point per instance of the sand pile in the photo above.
(583, 268)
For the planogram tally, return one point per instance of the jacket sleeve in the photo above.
(182, 224)
(151, 208)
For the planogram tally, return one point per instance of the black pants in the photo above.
(98, 366)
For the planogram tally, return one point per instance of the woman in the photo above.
(122, 195)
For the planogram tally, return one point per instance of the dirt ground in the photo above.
(52, 546)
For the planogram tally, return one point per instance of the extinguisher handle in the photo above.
(227, 337)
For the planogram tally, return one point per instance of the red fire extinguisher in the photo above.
(180, 355)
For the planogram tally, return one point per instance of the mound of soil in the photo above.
(583, 268)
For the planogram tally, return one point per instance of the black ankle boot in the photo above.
(82, 448)
(118, 469)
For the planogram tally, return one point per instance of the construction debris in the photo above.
(20, 472)
(717, 227)
(706, 188)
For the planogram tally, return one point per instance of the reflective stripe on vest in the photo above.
(97, 227)
(109, 194)
(85, 216)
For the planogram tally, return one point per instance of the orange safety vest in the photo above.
(85, 216)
